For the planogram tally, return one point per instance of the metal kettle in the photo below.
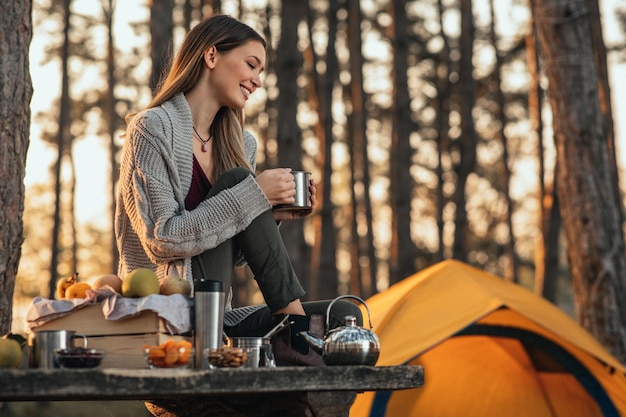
(348, 344)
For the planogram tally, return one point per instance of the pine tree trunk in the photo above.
(443, 116)
(467, 148)
(548, 242)
(366, 275)
(15, 94)
(325, 286)
(604, 90)
(74, 266)
(323, 252)
(161, 32)
(63, 138)
(510, 270)
(403, 252)
(112, 124)
(589, 203)
(288, 135)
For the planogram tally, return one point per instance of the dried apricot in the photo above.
(183, 344)
(155, 352)
(169, 353)
(183, 355)
(168, 344)
(171, 356)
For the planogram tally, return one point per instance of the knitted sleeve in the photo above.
(154, 201)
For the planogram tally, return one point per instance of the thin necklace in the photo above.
(205, 142)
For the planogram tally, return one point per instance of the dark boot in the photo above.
(290, 349)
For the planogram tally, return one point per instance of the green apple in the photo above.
(10, 353)
(141, 282)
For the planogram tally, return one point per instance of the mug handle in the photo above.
(76, 336)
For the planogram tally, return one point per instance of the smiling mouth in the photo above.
(245, 92)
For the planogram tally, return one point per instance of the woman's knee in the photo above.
(231, 177)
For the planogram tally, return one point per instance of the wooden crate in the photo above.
(90, 321)
(122, 339)
(125, 351)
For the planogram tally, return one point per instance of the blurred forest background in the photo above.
(427, 126)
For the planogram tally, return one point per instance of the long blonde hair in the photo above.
(225, 34)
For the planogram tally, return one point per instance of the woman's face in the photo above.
(237, 74)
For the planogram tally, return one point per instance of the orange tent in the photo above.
(488, 348)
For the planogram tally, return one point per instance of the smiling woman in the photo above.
(191, 201)
(92, 171)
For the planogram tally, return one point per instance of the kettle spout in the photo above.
(315, 342)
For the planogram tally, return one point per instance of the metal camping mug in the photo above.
(303, 196)
(42, 345)
(259, 350)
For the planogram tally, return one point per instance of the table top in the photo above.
(135, 384)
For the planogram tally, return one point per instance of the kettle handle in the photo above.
(369, 315)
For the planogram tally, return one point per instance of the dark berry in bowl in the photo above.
(78, 357)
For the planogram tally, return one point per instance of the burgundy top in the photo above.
(200, 187)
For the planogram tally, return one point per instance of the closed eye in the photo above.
(254, 63)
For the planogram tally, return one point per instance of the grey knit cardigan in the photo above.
(153, 229)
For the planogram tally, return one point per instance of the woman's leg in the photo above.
(289, 347)
(266, 255)
(218, 263)
(262, 320)
(264, 252)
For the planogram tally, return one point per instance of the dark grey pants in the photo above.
(261, 321)
(264, 251)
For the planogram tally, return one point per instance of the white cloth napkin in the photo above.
(175, 310)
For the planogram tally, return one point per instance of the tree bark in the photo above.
(63, 138)
(443, 126)
(552, 238)
(590, 206)
(548, 242)
(325, 286)
(365, 276)
(288, 135)
(15, 91)
(323, 253)
(108, 8)
(467, 146)
(402, 260)
(510, 270)
(161, 32)
(604, 90)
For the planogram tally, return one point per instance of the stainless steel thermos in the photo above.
(208, 318)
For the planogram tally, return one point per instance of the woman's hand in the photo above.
(281, 215)
(278, 185)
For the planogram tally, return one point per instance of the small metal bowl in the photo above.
(78, 357)
(225, 357)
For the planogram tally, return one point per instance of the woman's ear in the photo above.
(210, 57)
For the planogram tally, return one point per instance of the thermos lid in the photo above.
(207, 285)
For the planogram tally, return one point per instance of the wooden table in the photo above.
(285, 391)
